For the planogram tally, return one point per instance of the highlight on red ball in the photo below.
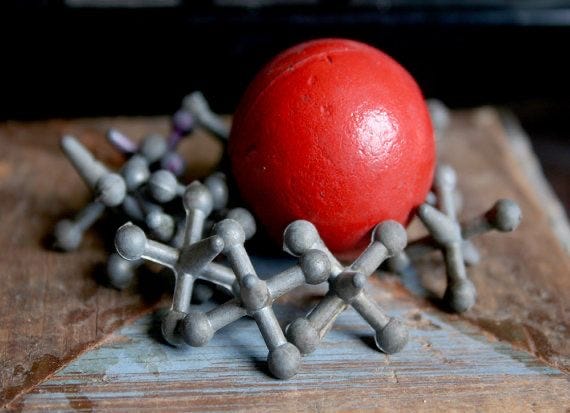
(335, 132)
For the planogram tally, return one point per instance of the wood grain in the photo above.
(52, 304)
(523, 281)
(52, 307)
(446, 365)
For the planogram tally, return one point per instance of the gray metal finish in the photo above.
(182, 125)
(217, 184)
(451, 237)
(109, 188)
(239, 214)
(245, 219)
(198, 106)
(301, 236)
(135, 172)
(460, 293)
(440, 116)
(195, 111)
(132, 208)
(120, 271)
(193, 260)
(164, 187)
(161, 225)
(256, 299)
(187, 265)
(347, 288)
(173, 162)
(112, 190)
(152, 147)
(68, 233)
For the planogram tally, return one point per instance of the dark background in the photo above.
(140, 57)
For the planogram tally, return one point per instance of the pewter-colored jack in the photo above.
(163, 227)
(195, 112)
(193, 260)
(449, 236)
(256, 299)
(198, 106)
(152, 147)
(110, 190)
(347, 288)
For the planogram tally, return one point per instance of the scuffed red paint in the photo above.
(336, 132)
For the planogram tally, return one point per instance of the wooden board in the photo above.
(52, 304)
(52, 308)
(523, 281)
(447, 364)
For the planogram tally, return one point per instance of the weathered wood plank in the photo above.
(52, 306)
(523, 281)
(447, 364)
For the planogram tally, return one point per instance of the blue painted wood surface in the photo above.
(448, 363)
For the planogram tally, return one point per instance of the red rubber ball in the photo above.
(335, 132)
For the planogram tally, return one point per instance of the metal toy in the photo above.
(347, 288)
(256, 299)
(198, 106)
(448, 235)
(188, 240)
(191, 261)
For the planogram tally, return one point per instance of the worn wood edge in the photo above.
(87, 129)
(539, 193)
(44, 367)
(65, 361)
(529, 163)
(555, 395)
